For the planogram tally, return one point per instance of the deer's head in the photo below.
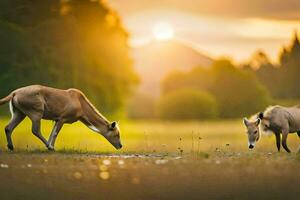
(113, 135)
(252, 131)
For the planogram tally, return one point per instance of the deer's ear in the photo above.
(257, 122)
(261, 115)
(246, 122)
(113, 125)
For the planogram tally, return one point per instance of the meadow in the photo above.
(159, 160)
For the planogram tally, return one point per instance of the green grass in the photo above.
(146, 137)
(160, 160)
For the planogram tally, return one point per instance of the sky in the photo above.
(218, 28)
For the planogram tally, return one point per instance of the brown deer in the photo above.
(62, 106)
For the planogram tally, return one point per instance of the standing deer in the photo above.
(62, 106)
(276, 119)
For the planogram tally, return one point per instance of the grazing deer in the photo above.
(62, 106)
(275, 119)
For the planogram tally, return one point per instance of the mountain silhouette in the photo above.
(155, 60)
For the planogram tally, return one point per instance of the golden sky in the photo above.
(233, 28)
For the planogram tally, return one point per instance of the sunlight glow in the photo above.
(163, 31)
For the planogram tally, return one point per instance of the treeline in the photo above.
(233, 91)
(220, 91)
(78, 43)
(224, 90)
(282, 79)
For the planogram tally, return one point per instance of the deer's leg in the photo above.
(298, 133)
(17, 118)
(278, 141)
(284, 140)
(36, 130)
(57, 127)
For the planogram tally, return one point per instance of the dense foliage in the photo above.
(187, 104)
(78, 43)
(141, 106)
(237, 92)
(282, 80)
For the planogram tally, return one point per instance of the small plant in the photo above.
(198, 145)
(180, 147)
(180, 151)
(192, 142)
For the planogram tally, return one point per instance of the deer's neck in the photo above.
(94, 119)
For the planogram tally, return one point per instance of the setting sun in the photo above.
(163, 31)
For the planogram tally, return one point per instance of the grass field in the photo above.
(159, 160)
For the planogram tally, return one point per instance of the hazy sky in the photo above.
(234, 28)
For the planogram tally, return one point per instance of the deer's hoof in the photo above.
(10, 147)
(50, 148)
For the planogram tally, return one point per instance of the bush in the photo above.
(187, 104)
(238, 92)
(141, 106)
(64, 44)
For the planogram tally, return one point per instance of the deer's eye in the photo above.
(255, 132)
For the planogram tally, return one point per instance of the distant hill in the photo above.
(156, 59)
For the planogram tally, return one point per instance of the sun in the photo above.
(163, 31)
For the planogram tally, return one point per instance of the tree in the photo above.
(186, 104)
(281, 81)
(237, 91)
(265, 71)
(78, 43)
(198, 78)
(141, 106)
(289, 71)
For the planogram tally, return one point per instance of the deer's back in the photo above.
(285, 117)
(50, 103)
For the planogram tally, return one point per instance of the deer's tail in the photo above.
(6, 99)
